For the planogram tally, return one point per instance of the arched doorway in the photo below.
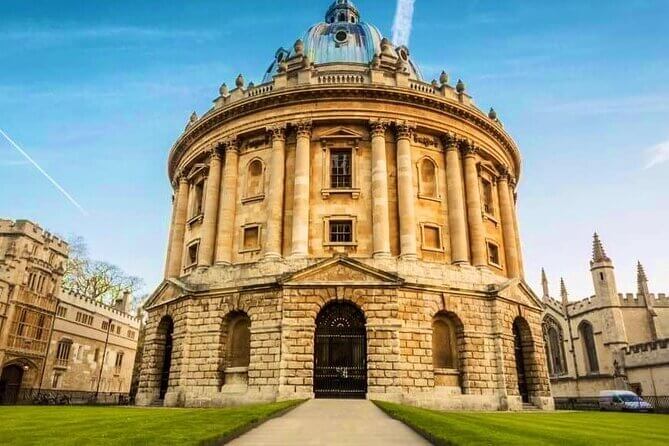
(10, 383)
(340, 352)
(166, 329)
(519, 338)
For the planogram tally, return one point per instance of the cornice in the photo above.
(219, 117)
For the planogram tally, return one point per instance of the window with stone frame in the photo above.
(239, 341)
(255, 180)
(493, 254)
(444, 343)
(341, 231)
(56, 380)
(251, 238)
(341, 169)
(431, 236)
(197, 203)
(487, 196)
(63, 352)
(61, 312)
(427, 178)
(589, 347)
(192, 254)
(553, 344)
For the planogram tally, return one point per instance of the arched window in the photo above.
(589, 347)
(427, 174)
(553, 344)
(445, 333)
(255, 179)
(239, 341)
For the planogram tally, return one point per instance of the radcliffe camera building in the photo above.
(52, 340)
(346, 228)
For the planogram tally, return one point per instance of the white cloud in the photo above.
(658, 154)
(403, 22)
(620, 105)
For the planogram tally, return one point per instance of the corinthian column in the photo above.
(227, 205)
(178, 228)
(275, 194)
(457, 220)
(208, 245)
(474, 214)
(519, 246)
(301, 190)
(380, 219)
(508, 226)
(405, 192)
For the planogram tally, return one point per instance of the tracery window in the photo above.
(589, 347)
(553, 344)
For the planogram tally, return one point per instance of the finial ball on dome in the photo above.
(460, 87)
(239, 82)
(492, 114)
(443, 79)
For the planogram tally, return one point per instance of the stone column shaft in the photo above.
(405, 192)
(275, 194)
(380, 218)
(508, 230)
(208, 245)
(300, 239)
(519, 246)
(178, 229)
(227, 205)
(474, 213)
(170, 235)
(457, 220)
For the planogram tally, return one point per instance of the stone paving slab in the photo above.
(332, 422)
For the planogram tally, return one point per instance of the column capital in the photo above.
(212, 152)
(506, 176)
(468, 148)
(277, 132)
(404, 130)
(450, 141)
(230, 144)
(378, 127)
(303, 128)
(179, 177)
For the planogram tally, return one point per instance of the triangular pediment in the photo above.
(341, 133)
(519, 291)
(169, 290)
(342, 271)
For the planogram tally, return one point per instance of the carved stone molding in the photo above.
(468, 148)
(277, 132)
(404, 130)
(230, 144)
(378, 127)
(450, 141)
(303, 128)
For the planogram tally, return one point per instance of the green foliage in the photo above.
(100, 426)
(537, 428)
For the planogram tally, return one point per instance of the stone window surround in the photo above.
(329, 144)
(197, 178)
(326, 229)
(437, 226)
(187, 264)
(257, 248)
(437, 187)
(489, 242)
(247, 198)
(487, 173)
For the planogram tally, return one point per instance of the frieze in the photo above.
(425, 140)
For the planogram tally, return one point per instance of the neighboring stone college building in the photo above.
(607, 341)
(345, 229)
(39, 320)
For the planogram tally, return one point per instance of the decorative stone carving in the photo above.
(239, 82)
(277, 132)
(378, 127)
(404, 130)
(304, 128)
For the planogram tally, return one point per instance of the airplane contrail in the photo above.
(402, 22)
(48, 177)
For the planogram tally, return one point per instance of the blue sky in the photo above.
(97, 92)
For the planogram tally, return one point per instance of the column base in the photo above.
(409, 257)
(223, 263)
(272, 256)
(382, 255)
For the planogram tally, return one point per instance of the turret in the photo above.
(642, 287)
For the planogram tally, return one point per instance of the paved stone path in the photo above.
(332, 422)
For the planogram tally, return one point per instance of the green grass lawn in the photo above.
(538, 428)
(39, 425)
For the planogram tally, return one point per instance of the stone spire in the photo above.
(598, 253)
(544, 283)
(641, 280)
(563, 292)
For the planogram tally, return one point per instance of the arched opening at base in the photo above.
(340, 352)
(522, 347)
(10, 383)
(166, 330)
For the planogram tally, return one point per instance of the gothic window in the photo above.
(444, 343)
(255, 181)
(341, 172)
(553, 344)
(239, 342)
(427, 177)
(589, 347)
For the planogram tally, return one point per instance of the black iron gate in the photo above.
(340, 354)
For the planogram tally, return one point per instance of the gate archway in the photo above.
(523, 355)
(10, 383)
(340, 352)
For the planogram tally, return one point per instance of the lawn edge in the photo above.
(436, 441)
(236, 433)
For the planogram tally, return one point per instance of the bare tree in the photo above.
(96, 279)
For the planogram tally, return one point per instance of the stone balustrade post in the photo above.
(406, 195)
(276, 191)
(300, 239)
(380, 218)
(457, 220)
(208, 245)
(227, 205)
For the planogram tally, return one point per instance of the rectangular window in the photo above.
(55, 381)
(63, 353)
(488, 202)
(192, 254)
(119, 359)
(251, 238)
(341, 169)
(341, 231)
(198, 195)
(118, 329)
(96, 355)
(61, 312)
(493, 254)
(105, 325)
(432, 237)
(131, 334)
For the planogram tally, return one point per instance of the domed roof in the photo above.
(341, 38)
